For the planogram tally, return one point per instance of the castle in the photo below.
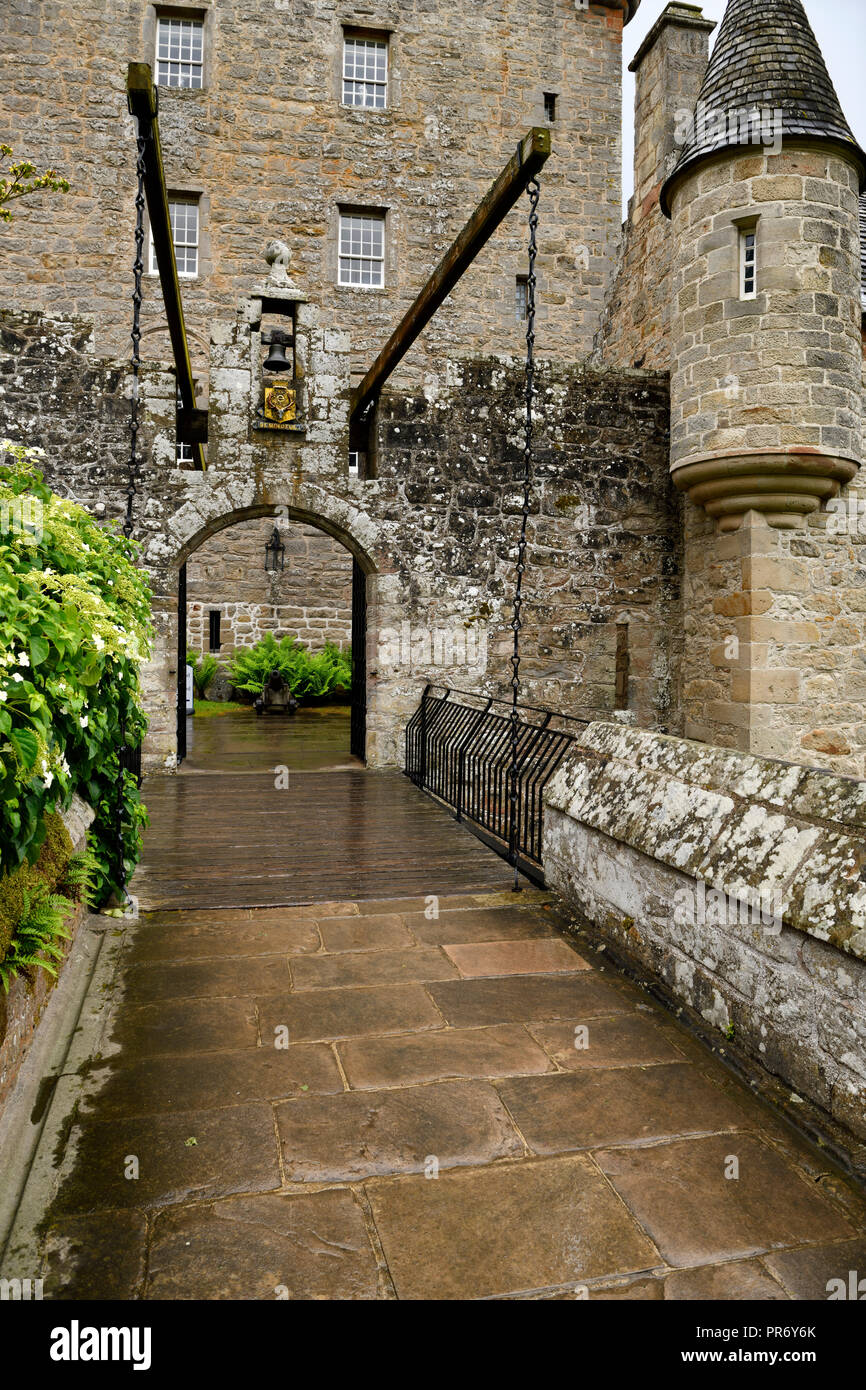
(695, 583)
(735, 616)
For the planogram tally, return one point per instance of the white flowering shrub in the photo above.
(74, 629)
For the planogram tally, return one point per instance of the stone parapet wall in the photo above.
(310, 598)
(738, 884)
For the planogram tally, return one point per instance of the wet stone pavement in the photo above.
(362, 1100)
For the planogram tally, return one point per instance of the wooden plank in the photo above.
(234, 839)
(143, 104)
(523, 166)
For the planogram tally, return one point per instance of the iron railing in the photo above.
(459, 750)
(130, 760)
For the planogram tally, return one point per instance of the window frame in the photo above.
(214, 626)
(521, 298)
(351, 34)
(549, 100)
(166, 14)
(175, 199)
(362, 214)
(748, 269)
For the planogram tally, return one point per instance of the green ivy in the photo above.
(74, 629)
(306, 674)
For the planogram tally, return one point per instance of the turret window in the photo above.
(748, 263)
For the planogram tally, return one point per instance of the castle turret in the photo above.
(766, 405)
(766, 357)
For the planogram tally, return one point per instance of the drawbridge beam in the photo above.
(143, 104)
(522, 167)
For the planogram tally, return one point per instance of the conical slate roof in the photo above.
(766, 56)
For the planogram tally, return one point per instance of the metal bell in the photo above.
(276, 360)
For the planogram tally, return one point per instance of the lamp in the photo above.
(275, 552)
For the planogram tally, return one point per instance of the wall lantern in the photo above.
(275, 552)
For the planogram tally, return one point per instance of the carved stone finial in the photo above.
(278, 256)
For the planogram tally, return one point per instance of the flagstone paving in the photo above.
(419, 1089)
(359, 1101)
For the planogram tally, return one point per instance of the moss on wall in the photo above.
(49, 869)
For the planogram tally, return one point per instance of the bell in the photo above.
(276, 360)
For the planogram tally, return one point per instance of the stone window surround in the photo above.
(204, 247)
(203, 10)
(366, 24)
(744, 226)
(341, 209)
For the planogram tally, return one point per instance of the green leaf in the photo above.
(38, 650)
(26, 746)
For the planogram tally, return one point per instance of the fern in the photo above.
(80, 877)
(303, 672)
(204, 668)
(38, 936)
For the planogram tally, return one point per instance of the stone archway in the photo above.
(192, 526)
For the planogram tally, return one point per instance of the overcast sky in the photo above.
(839, 26)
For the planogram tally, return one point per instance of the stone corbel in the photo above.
(785, 485)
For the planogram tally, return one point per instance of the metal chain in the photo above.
(137, 271)
(133, 470)
(534, 192)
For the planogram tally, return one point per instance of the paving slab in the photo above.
(480, 924)
(468, 1234)
(627, 1105)
(210, 940)
(227, 978)
(824, 1272)
(313, 1246)
(549, 956)
(621, 1041)
(208, 1080)
(696, 1215)
(186, 1025)
(327, 1014)
(98, 1256)
(506, 1050)
(524, 998)
(362, 1133)
(200, 1154)
(371, 968)
(373, 933)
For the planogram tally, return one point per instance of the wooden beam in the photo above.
(143, 104)
(523, 166)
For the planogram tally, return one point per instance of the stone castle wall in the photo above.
(775, 658)
(311, 598)
(271, 151)
(435, 531)
(669, 66)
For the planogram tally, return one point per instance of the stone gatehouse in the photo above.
(691, 559)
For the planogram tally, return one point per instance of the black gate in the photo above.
(459, 750)
(358, 737)
(181, 664)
